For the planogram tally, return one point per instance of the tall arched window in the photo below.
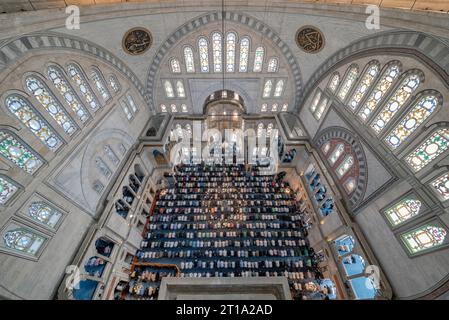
(244, 54)
(173, 108)
(334, 82)
(344, 166)
(14, 150)
(424, 238)
(396, 102)
(231, 39)
(315, 101)
(48, 101)
(321, 108)
(272, 65)
(217, 51)
(267, 89)
(188, 59)
(402, 211)
(429, 150)
(111, 155)
(204, 54)
(279, 88)
(7, 189)
(169, 89)
(180, 89)
(348, 82)
(419, 113)
(349, 185)
(379, 91)
(102, 167)
(77, 76)
(65, 90)
(441, 186)
(366, 82)
(175, 65)
(131, 102)
(100, 84)
(338, 151)
(23, 240)
(258, 59)
(114, 83)
(33, 121)
(44, 213)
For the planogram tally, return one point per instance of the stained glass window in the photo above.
(344, 166)
(395, 103)
(284, 107)
(335, 81)
(258, 59)
(131, 102)
(169, 89)
(175, 65)
(102, 167)
(321, 108)
(78, 77)
(379, 91)
(230, 51)
(349, 185)
(244, 54)
(48, 101)
(216, 49)
(7, 189)
(267, 89)
(204, 54)
(315, 101)
(326, 147)
(173, 108)
(349, 81)
(419, 113)
(18, 153)
(180, 89)
(23, 111)
(336, 153)
(44, 213)
(188, 59)
(111, 155)
(184, 108)
(99, 84)
(429, 150)
(274, 107)
(441, 185)
(126, 110)
(272, 65)
(66, 91)
(279, 88)
(23, 240)
(424, 238)
(403, 211)
(163, 108)
(364, 85)
(113, 82)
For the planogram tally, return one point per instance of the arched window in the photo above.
(279, 88)
(114, 83)
(188, 59)
(111, 155)
(184, 108)
(267, 89)
(396, 102)
(131, 102)
(44, 213)
(244, 54)
(204, 54)
(163, 108)
(264, 107)
(33, 121)
(258, 59)
(441, 186)
(175, 65)
(349, 81)
(349, 185)
(65, 90)
(419, 113)
(315, 101)
(284, 107)
(274, 107)
(7, 190)
(402, 211)
(338, 151)
(429, 150)
(78, 77)
(173, 108)
(230, 51)
(344, 167)
(102, 167)
(379, 91)
(180, 89)
(326, 147)
(126, 110)
(321, 108)
(216, 49)
(272, 65)
(334, 82)
(168, 89)
(15, 151)
(424, 238)
(48, 101)
(366, 82)
(100, 84)
(23, 240)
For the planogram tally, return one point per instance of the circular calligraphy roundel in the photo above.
(310, 39)
(137, 41)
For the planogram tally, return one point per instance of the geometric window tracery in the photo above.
(26, 114)
(335, 81)
(7, 190)
(244, 54)
(230, 51)
(23, 240)
(272, 65)
(188, 60)
(44, 213)
(18, 153)
(366, 82)
(204, 54)
(97, 78)
(424, 238)
(441, 185)
(217, 51)
(258, 59)
(348, 82)
(47, 100)
(403, 211)
(78, 77)
(175, 66)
